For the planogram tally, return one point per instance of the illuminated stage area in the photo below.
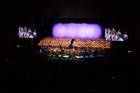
(74, 48)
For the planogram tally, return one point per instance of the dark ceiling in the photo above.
(118, 9)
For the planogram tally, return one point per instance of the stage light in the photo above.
(129, 51)
(66, 56)
(77, 30)
(79, 56)
(59, 55)
(18, 46)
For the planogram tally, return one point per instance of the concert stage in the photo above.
(68, 48)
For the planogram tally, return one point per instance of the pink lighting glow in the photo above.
(77, 30)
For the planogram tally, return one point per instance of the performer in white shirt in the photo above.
(119, 33)
(29, 30)
(116, 37)
(31, 36)
(125, 36)
(112, 36)
(34, 34)
(120, 38)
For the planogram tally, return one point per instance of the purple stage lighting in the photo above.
(77, 30)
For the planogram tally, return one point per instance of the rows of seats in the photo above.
(92, 43)
(65, 42)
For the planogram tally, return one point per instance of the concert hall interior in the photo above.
(69, 46)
